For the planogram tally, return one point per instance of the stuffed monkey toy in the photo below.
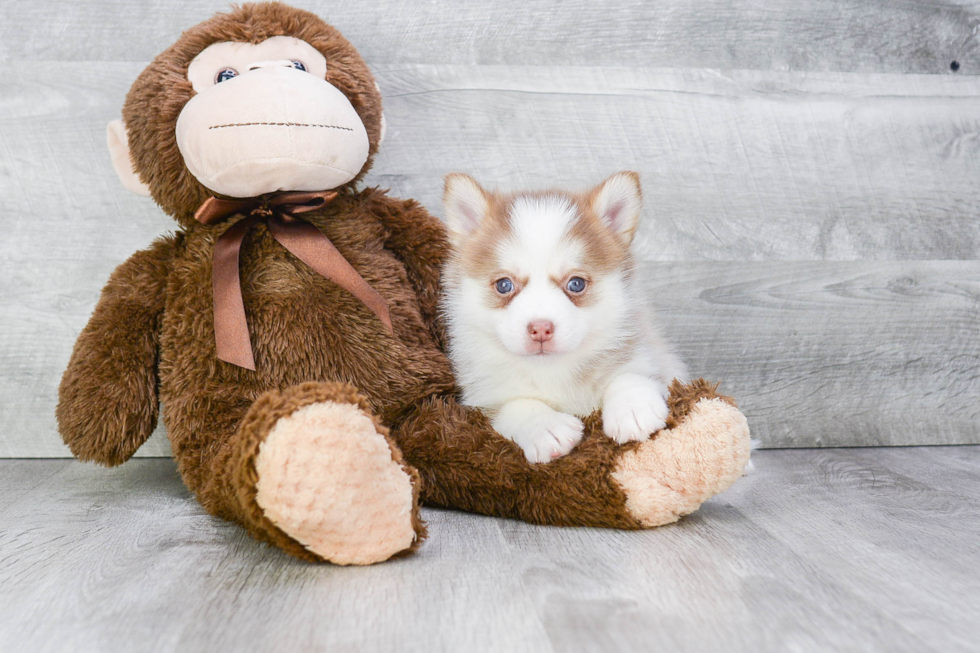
(290, 328)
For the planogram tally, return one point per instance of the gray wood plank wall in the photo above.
(811, 231)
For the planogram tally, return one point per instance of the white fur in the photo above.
(537, 428)
(618, 204)
(540, 251)
(606, 355)
(466, 204)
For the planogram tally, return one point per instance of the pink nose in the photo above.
(541, 331)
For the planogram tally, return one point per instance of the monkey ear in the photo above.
(617, 201)
(466, 205)
(118, 144)
(384, 123)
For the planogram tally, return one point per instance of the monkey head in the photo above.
(264, 98)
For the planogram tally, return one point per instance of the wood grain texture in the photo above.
(817, 353)
(832, 353)
(842, 35)
(735, 166)
(761, 172)
(852, 549)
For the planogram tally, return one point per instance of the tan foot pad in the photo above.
(327, 479)
(674, 472)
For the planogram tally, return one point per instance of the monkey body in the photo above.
(328, 447)
(304, 327)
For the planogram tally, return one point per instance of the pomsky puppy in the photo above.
(544, 317)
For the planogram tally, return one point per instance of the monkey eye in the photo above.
(504, 286)
(576, 285)
(225, 74)
(299, 65)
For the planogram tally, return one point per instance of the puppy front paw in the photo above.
(634, 412)
(543, 435)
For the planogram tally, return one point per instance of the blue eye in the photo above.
(299, 65)
(225, 74)
(575, 285)
(504, 286)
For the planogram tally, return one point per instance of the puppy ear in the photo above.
(617, 202)
(466, 204)
(118, 144)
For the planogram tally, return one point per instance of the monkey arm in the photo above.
(464, 464)
(108, 402)
(419, 241)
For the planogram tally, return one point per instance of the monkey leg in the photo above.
(312, 471)
(464, 464)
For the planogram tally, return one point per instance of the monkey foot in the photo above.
(331, 481)
(674, 472)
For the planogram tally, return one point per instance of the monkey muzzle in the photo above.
(271, 129)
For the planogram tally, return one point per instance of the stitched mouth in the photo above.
(280, 124)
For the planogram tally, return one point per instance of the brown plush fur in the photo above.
(108, 397)
(231, 492)
(161, 91)
(151, 337)
(683, 396)
(477, 470)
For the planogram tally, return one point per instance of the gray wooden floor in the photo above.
(834, 549)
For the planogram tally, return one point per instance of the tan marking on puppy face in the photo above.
(503, 301)
(604, 251)
(581, 299)
(477, 252)
(477, 256)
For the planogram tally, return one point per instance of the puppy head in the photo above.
(541, 273)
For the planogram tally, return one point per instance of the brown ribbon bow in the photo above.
(299, 237)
